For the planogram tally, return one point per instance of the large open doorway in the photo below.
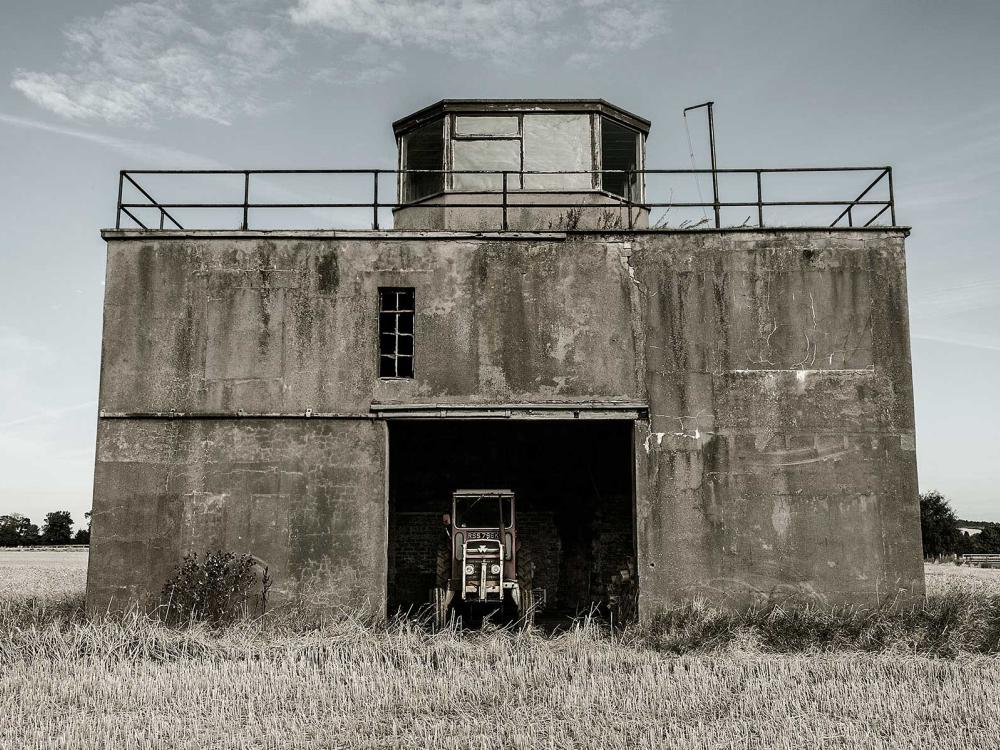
(573, 487)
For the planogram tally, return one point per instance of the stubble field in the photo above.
(701, 678)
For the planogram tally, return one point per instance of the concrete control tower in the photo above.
(722, 412)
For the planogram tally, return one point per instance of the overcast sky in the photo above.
(93, 86)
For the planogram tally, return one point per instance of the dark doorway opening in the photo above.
(573, 487)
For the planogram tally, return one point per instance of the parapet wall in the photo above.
(777, 458)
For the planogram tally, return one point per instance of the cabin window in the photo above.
(488, 144)
(619, 160)
(487, 126)
(396, 308)
(489, 155)
(423, 149)
(558, 143)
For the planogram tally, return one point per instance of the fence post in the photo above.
(504, 210)
(246, 201)
(375, 199)
(760, 203)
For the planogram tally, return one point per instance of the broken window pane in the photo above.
(423, 148)
(395, 332)
(484, 155)
(495, 126)
(557, 143)
(619, 151)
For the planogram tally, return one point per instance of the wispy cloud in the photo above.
(365, 65)
(45, 450)
(932, 304)
(147, 153)
(48, 414)
(960, 314)
(142, 61)
(501, 30)
(959, 339)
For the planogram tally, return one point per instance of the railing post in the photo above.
(118, 212)
(246, 201)
(715, 168)
(375, 199)
(892, 197)
(504, 209)
(850, 216)
(161, 218)
(628, 195)
(760, 203)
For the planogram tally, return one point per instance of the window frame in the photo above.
(640, 158)
(514, 180)
(396, 311)
(404, 185)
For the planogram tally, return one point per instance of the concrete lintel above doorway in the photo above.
(630, 410)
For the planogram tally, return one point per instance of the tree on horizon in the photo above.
(938, 525)
(82, 536)
(58, 528)
(17, 530)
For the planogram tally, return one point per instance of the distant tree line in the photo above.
(17, 530)
(939, 527)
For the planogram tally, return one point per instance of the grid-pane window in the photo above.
(486, 144)
(395, 332)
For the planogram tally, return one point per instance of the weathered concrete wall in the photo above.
(214, 325)
(778, 455)
(304, 496)
(779, 458)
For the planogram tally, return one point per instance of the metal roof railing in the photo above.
(865, 209)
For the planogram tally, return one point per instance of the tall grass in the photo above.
(923, 676)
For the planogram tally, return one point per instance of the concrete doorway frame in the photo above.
(603, 410)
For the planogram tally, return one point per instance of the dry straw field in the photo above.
(794, 678)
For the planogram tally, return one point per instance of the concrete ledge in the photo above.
(469, 410)
(392, 234)
(630, 410)
(323, 234)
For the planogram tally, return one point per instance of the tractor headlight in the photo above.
(495, 570)
(469, 570)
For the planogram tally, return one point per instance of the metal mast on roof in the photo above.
(711, 142)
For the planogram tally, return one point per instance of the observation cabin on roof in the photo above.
(554, 163)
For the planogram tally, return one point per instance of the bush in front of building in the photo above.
(220, 589)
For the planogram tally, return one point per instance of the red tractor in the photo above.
(481, 566)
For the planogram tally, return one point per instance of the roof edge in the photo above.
(111, 235)
(443, 106)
